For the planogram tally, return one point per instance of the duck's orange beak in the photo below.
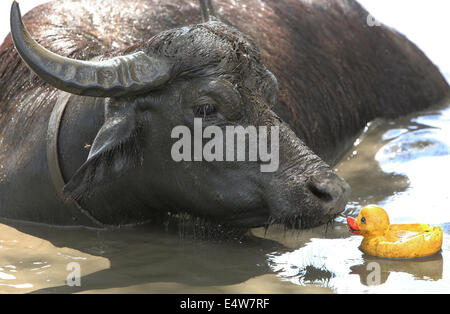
(353, 225)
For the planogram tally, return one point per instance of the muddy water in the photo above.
(403, 165)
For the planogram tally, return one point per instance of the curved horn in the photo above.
(120, 76)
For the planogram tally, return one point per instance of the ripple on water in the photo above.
(338, 264)
(423, 156)
(28, 263)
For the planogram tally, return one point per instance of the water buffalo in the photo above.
(89, 142)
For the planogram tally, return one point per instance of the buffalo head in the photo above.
(210, 71)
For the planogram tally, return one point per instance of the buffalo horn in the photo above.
(120, 76)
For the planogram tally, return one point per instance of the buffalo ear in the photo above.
(116, 149)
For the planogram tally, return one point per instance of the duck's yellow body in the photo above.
(394, 241)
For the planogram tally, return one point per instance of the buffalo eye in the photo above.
(363, 220)
(204, 111)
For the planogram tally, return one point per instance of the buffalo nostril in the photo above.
(329, 191)
(320, 190)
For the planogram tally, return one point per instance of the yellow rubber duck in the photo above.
(393, 241)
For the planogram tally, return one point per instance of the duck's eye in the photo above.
(203, 111)
(363, 220)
